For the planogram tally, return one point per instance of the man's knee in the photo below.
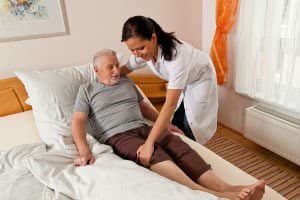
(175, 146)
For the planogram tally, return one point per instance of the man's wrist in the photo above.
(83, 149)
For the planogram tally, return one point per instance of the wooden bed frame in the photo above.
(12, 97)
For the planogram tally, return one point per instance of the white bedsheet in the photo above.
(16, 180)
(33, 172)
(12, 165)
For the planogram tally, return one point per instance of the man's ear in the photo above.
(95, 68)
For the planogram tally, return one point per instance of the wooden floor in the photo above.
(260, 151)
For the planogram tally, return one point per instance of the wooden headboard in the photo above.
(12, 97)
(13, 94)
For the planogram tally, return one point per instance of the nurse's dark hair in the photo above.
(144, 27)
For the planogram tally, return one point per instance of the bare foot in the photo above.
(257, 190)
(245, 194)
(250, 192)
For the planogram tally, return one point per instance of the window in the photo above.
(266, 46)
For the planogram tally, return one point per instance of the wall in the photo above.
(95, 25)
(231, 105)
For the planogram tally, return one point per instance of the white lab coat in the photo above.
(193, 72)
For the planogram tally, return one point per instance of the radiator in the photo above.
(274, 131)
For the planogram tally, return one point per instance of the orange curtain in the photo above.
(226, 11)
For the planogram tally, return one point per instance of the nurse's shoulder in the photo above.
(194, 54)
(135, 62)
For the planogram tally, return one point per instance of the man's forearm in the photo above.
(79, 135)
(148, 112)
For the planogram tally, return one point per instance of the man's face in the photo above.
(108, 70)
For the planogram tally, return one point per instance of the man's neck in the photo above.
(101, 81)
(106, 83)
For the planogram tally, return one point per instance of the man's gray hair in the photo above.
(101, 53)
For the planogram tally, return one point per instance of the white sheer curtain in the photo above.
(266, 46)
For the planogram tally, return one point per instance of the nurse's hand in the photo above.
(173, 128)
(144, 154)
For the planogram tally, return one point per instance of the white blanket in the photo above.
(35, 172)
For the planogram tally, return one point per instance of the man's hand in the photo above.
(79, 135)
(84, 159)
(144, 154)
(173, 128)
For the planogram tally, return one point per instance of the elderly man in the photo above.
(115, 110)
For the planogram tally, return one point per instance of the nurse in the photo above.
(191, 96)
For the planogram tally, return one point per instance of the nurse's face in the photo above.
(144, 48)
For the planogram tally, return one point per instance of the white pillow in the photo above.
(52, 95)
(18, 129)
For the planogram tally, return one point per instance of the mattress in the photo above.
(20, 129)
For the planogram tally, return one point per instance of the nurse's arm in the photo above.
(148, 111)
(164, 116)
(124, 70)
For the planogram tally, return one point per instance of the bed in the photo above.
(28, 170)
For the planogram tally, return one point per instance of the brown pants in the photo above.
(168, 147)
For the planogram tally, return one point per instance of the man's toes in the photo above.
(261, 185)
(258, 193)
(246, 190)
(244, 194)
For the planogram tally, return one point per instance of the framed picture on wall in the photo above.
(29, 19)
